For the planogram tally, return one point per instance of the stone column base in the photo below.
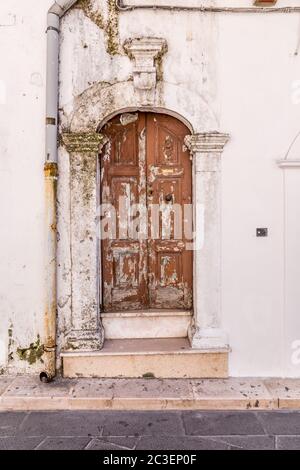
(84, 340)
(209, 338)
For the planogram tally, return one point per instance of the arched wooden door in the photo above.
(146, 198)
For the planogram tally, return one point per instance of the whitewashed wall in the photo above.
(22, 117)
(243, 67)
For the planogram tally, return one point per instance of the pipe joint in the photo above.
(51, 170)
(52, 28)
(60, 7)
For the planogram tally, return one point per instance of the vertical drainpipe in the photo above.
(58, 9)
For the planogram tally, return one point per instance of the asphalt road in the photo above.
(153, 430)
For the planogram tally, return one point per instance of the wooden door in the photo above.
(146, 184)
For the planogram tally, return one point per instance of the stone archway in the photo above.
(79, 302)
(85, 328)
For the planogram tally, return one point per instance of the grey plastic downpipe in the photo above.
(58, 9)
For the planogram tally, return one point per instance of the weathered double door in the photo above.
(146, 208)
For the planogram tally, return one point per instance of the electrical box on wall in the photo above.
(262, 232)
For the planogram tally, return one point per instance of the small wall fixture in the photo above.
(262, 232)
(264, 3)
(288, 163)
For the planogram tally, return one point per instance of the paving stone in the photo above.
(131, 423)
(221, 423)
(9, 422)
(26, 443)
(25, 386)
(179, 443)
(288, 442)
(91, 388)
(4, 383)
(28, 393)
(248, 442)
(87, 423)
(64, 443)
(280, 422)
(113, 443)
(287, 391)
(233, 393)
(153, 388)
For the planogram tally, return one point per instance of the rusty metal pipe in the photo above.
(58, 9)
(49, 336)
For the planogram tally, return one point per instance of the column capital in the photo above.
(208, 142)
(83, 142)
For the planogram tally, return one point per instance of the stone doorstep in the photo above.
(27, 393)
(171, 358)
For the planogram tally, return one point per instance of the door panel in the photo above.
(170, 182)
(145, 162)
(124, 258)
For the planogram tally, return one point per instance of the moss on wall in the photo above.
(112, 29)
(109, 26)
(33, 353)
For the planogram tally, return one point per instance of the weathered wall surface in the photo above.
(22, 110)
(228, 72)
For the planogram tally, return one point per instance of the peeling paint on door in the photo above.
(143, 164)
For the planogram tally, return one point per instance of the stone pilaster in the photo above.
(206, 150)
(86, 332)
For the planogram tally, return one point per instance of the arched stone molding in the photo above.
(102, 100)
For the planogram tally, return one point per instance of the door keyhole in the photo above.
(169, 198)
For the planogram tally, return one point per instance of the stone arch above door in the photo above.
(102, 101)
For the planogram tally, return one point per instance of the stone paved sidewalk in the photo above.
(29, 394)
(151, 430)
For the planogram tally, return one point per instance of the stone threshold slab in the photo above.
(26, 393)
(147, 313)
(146, 324)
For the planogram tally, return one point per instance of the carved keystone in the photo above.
(144, 51)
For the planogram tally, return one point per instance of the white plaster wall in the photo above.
(22, 104)
(243, 68)
(256, 75)
(291, 328)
